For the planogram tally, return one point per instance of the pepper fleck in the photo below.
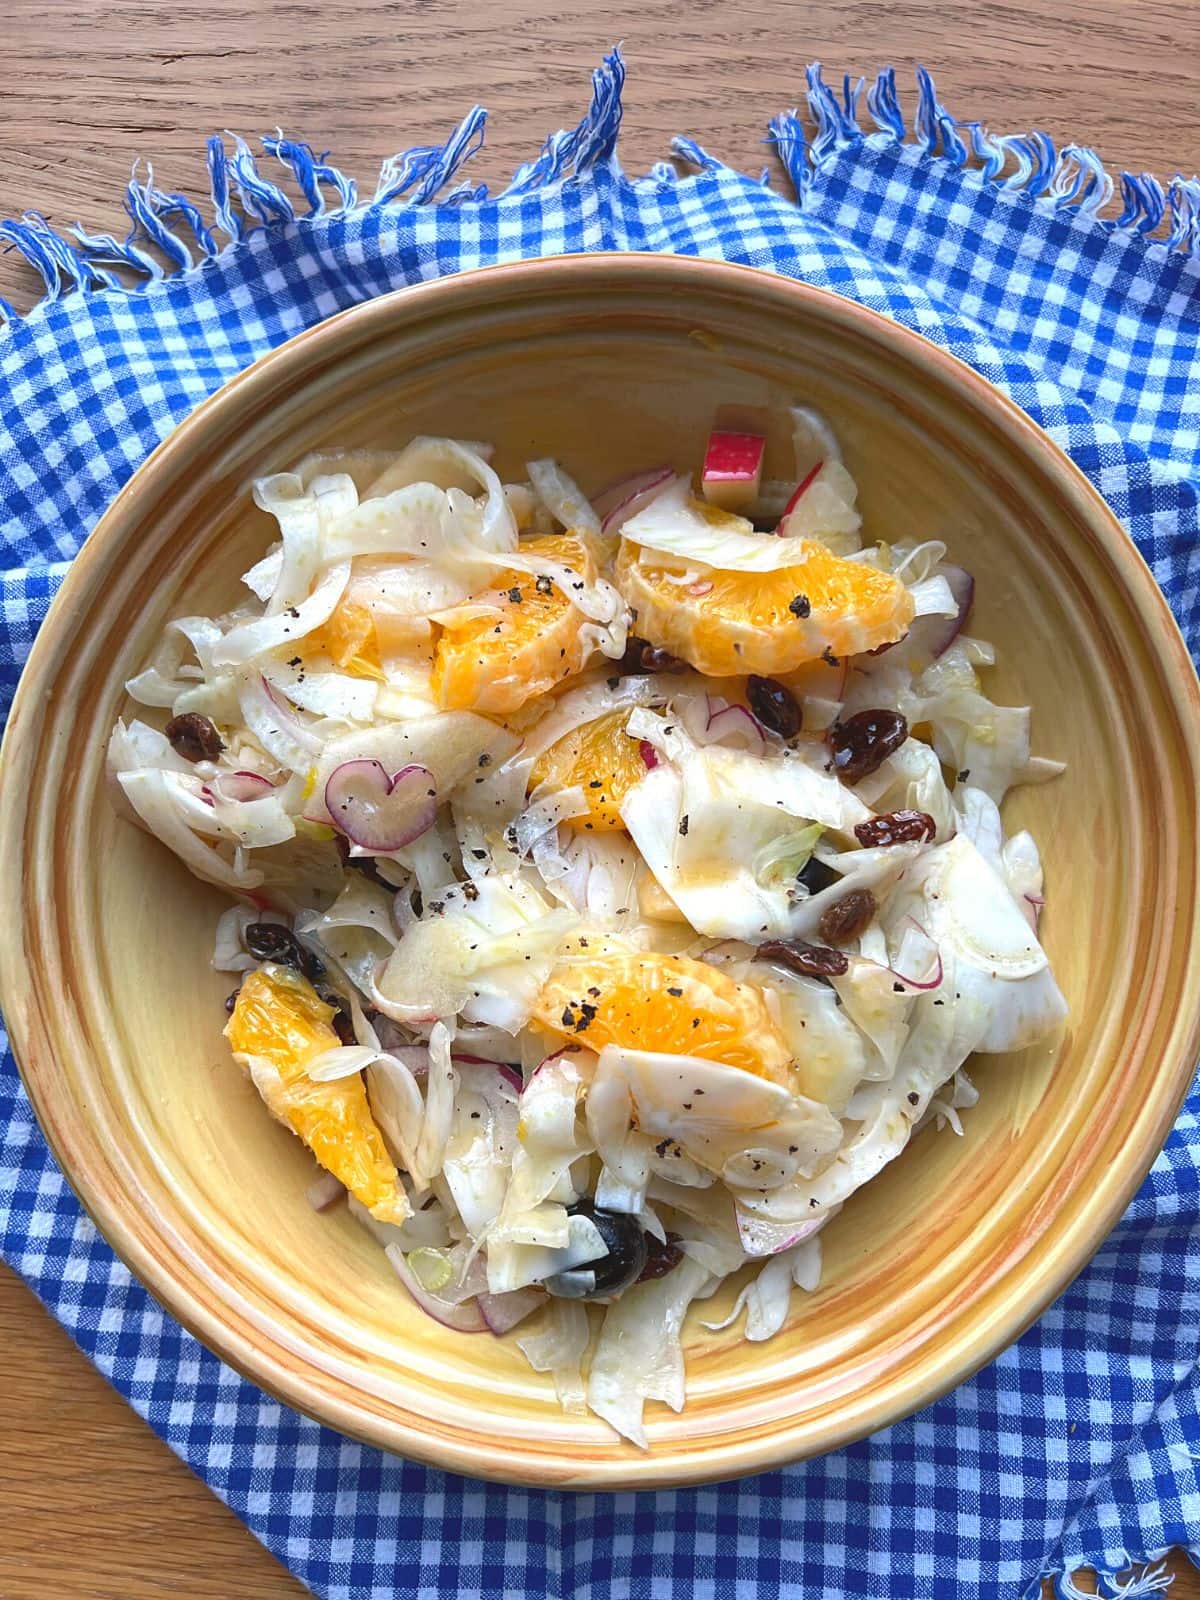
(675, 992)
(801, 606)
(514, 594)
(683, 826)
(543, 584)
(828, 657)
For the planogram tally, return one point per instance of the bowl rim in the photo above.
(1037, 1280)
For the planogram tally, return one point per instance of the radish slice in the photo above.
(630, 496)
(933, 636)
(238, 786)
(503, 1311)
(733, 466)
(378, 813)
(324, 1192)
(735, 726)
(465, 1318)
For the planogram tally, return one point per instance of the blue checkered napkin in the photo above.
(1078, 1446)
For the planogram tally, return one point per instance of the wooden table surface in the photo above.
(95, 1507)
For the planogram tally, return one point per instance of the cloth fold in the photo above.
(1078, 1446)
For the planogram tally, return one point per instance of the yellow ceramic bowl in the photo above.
(611, 364)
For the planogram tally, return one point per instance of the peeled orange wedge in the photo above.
(647, 1001)
(279, 1022)
(726, 623)
(348, 639)
(524, 645)
(602, 760)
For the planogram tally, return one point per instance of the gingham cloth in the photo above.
(1078, 1446)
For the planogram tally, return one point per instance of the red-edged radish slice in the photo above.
(378, 813)
(805, 483)
(733, 466)
(734, 725)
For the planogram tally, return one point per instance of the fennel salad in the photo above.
(616, 883)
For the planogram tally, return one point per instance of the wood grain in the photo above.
(97, 1508)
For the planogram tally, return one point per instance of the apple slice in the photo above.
(733, 466)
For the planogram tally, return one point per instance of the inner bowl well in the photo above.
(611, 364)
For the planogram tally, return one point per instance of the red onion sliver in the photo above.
(935, 635)
(465, 1318)
(324, 1192)
(507, 1072)
(378, 813)
(503, 1311)
(631, 495)
(238, 786)
(649, 755)
(759, 1236)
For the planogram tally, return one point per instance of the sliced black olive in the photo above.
(613, 1272)
(815, 875)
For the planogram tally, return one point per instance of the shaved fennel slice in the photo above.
(558, 1346)
(562, 497)
(639, 1354)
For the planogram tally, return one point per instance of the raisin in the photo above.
(815, 875)
(194, 737)
(271, 941)
(810, 960)
(641, 656)
(861, 744)
(845, 919)
(896, 827)
(774, 705)
(343, 1022)
(364, 864)
(660, 1258)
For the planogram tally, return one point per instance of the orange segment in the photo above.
(525, 647)
(348, 639)
(279, 1019)
(646, 1001)
(601, 759)
(766, 622)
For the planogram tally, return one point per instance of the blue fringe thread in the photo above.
(242, 197)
